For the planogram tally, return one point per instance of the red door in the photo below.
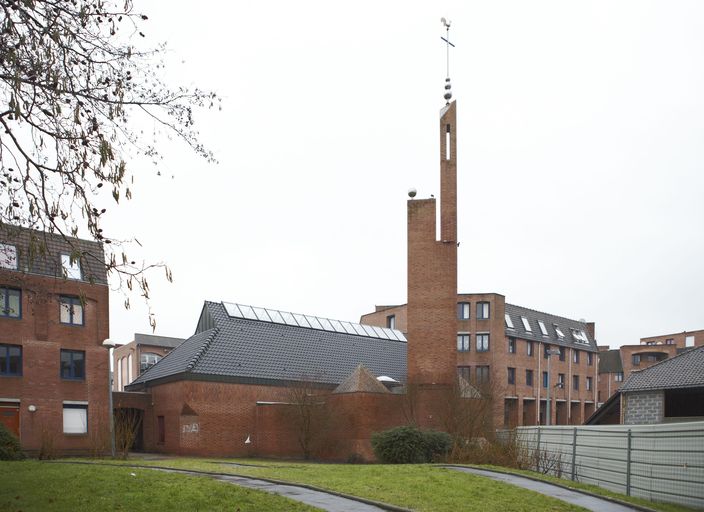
(10, 417)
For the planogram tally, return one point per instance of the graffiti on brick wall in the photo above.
(190, 428)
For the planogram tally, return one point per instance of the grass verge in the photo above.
(418, 487)
(35, 486)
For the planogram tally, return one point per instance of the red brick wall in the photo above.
(42, 336)
(432, 276)
(678, 339)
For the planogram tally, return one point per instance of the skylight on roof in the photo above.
(558, 331)
(509, 322)
(579, 336)
(311, 322)
(526, 324)
(543, 329)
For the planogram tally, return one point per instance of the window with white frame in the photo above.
(71, 267)
(689, 341)
(526, 324)
(147, 360)
(543, 329)
(509, 322)
(8, 256)
(75, 418)
(482, 342)
(463, 342)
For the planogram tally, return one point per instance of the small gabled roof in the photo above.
(361, 380)
(610, 361)
(248, 350)
(575, 332)
(685, 370)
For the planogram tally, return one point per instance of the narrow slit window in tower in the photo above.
(447, 143)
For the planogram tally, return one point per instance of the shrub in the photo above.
(409, 445)
(437, 445)
(9, 445)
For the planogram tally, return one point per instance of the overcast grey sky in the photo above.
(581, 158)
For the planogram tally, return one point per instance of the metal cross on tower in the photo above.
(448, 92)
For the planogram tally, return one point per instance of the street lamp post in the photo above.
(547, 405)
(110, 345)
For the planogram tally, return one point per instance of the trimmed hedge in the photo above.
(9, 445)
(410, 445)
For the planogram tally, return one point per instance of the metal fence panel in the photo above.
(662, 462)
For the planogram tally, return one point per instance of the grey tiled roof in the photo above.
(157, 341)
(39, 252)
(610, 361)
(565, 324)
(685, 370)
(244, 350)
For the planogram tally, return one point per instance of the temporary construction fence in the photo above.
(662, 462)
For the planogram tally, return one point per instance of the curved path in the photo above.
(319, 499)
(575, 498)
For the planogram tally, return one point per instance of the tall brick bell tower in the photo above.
(432, 268)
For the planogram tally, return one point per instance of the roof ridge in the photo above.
(548, 314)
(202, 350)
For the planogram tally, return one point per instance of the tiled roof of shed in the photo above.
(39, 252)
(566, 325)
(685, 370)
(248, 350)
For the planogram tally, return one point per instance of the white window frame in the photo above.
(543, 329)
(509, 322)
(689, 341)
(526, 324)
(71, 270)
(75, 417)
(559, 332)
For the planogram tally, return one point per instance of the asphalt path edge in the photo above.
(564, 486)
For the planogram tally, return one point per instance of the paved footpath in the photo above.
(318, 499)
(576, 498)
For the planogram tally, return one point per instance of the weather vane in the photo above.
(448, 92)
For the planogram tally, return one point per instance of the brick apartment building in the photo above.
(132, 359)
(53, 320)
(682, 340)
(507, 347)
(616, 365)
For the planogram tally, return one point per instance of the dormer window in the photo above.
(543, 329)
(579, 336)
(8, 256)
(70, 267)
(526, 324)
(509, 322)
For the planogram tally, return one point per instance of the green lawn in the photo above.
(419, 487)
(37, 486)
